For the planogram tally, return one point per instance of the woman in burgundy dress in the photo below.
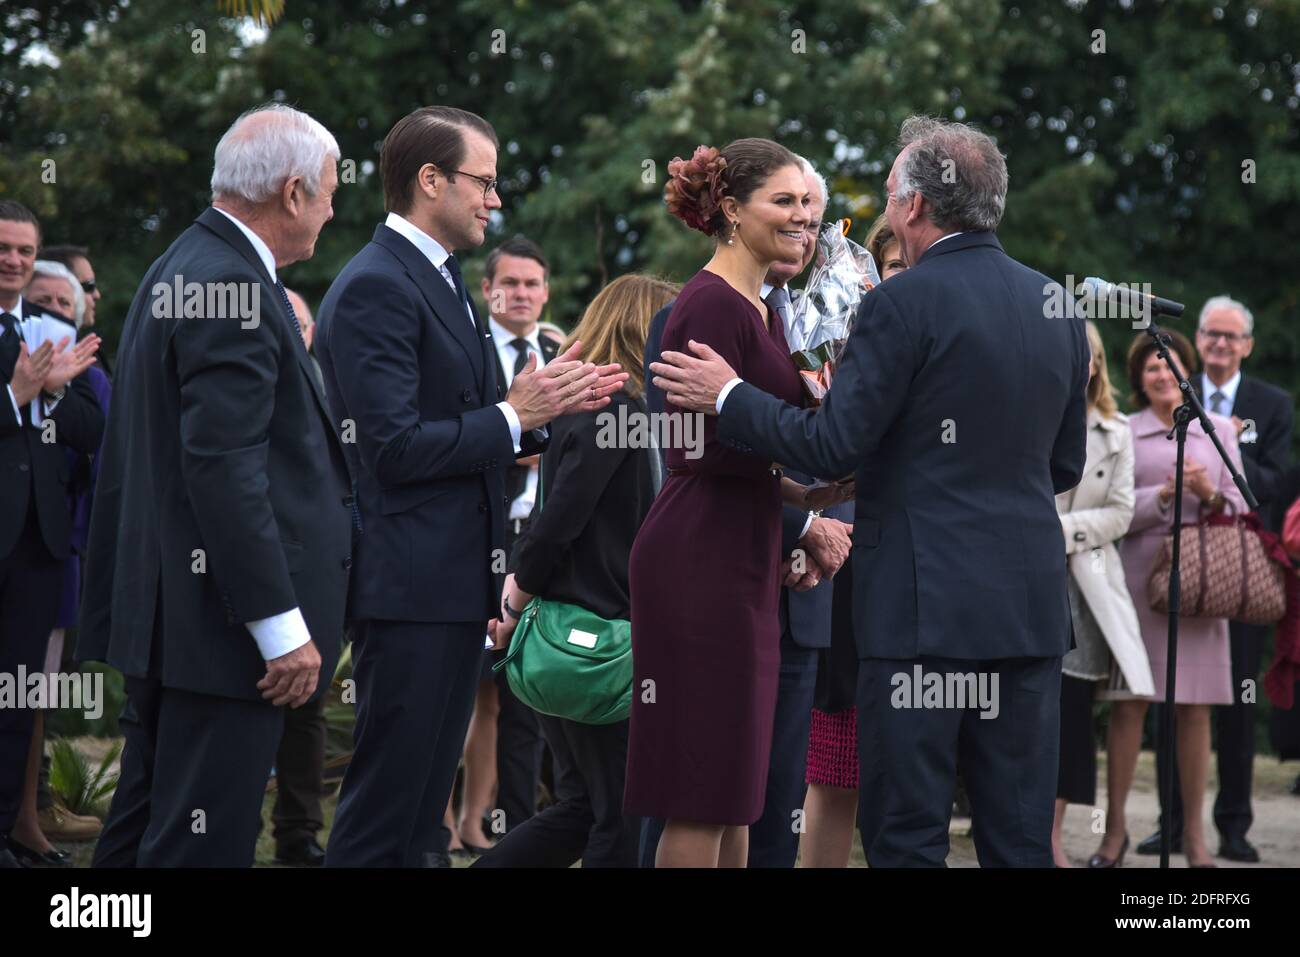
(704, 571)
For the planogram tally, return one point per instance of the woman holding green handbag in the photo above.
(570, 659)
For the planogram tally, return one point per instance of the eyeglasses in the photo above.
(89, 286)
(1228, 337)
(489, 185)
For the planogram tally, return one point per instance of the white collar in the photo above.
(765, 290)
(1228, 388)
(17, 310)
(942, 238)
(259, 245)
(421, 240)
(504, 336)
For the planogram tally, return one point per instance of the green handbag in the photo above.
(569, 662)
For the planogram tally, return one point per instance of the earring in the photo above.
(731, 240)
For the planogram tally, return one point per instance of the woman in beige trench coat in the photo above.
(1108, 648)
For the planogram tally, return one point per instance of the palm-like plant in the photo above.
(263, 11)
(81, 790)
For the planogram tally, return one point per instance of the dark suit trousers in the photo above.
(299, 770)
(774, 837)
(1234, 730)
(909, 759)
(586, 823)
(31, 581)
(773, 840)
(519, 745)
(194, 772)
(415, 693)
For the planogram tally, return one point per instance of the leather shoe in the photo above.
(7, 860)
(57, 823)
(29, 857)
(436, 859)
(1238, 849)
(1151, 845)
(305, 853)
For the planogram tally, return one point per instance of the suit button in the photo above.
(348, 500)
(347, 564)
(464, 396)
(482, 506)
(22, 467)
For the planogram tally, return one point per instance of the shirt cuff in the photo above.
(512, 420)
(807, 525)
(279, 634)
(726, 390)
(14, 402)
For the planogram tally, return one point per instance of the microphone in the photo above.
(1143, 302)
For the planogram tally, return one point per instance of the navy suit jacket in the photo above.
(1264, 460)
(403, 362)
(218, 439)
(960, 405)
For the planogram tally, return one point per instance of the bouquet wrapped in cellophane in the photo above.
(844, 272)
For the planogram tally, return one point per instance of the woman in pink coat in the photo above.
(1204, 675)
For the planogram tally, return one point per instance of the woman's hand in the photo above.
(1197, 480)
(824, 496)
(512, 597)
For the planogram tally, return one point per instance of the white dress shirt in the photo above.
(521, 507)
(282, 633)
(437, 255)
(23, 329)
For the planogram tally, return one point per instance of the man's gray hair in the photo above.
(957, 169)
(1226, 302)
(53, 270)
(811, 170)
(267, 146)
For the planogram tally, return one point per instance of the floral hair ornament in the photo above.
(695, 189)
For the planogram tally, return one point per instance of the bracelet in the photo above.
(515, 613)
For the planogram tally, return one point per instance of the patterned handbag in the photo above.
(1228, 571)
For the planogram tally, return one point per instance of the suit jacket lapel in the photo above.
(439, 295)
(223, 227)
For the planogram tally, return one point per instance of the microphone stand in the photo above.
(1182, 419)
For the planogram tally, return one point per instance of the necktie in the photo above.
(521, 360)
(10, 343)
(288, 308)
(452, 268)
(1217, 402)
(779, 300)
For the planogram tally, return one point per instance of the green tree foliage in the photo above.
(1152, 141)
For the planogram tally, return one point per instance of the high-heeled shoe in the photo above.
(30, 857)
(1097, 861)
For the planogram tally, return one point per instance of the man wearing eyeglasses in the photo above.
(1262, 414)
(409, 363)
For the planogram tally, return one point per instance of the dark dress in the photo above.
(705, 585)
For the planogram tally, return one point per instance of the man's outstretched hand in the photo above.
(693, 381)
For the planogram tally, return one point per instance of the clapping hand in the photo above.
(68, 363)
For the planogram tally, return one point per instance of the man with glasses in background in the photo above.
(1262, 414)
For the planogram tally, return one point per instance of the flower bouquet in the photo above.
(843, 274)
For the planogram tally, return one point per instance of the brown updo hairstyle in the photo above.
(1141, 349)
(696, 186)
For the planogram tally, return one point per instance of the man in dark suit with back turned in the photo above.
(46, 407)
(408, 364)
(222, 534)
(960, 404)
(1262, 414)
